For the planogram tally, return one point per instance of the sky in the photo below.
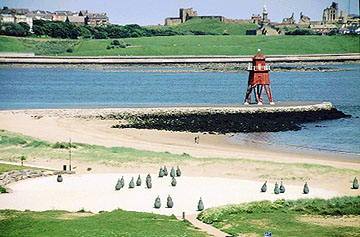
(153, 12)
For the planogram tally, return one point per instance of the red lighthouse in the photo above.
(258, 80)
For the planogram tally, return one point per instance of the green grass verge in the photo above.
(115, 223)
(188, 45)
(285, 218)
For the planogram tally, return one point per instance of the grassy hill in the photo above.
(210, 26)
(188, 45)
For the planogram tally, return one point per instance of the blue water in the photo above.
(26, 88)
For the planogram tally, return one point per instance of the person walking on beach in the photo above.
(197, 139)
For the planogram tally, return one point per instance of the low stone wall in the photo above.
(17, 175)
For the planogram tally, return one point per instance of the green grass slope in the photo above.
(38, 46)
(188, 45)
(224, 45)
(303, 217)
(115, 223)
(211, 26)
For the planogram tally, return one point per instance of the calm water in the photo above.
(25, 88)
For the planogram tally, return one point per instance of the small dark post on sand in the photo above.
(70, 153)
(183, 215)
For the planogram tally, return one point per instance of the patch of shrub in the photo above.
(5, 140)
(37, 144)
(63, 145)
(3, 190)
(69, 50)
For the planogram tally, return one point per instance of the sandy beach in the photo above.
(235, 182)
(96, 192)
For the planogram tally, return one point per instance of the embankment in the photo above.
(133, 60)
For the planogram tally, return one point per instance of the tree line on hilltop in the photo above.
(68, 30)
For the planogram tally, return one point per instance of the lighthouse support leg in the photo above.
(269, 94)
(257, 95)
(248, 94)
(261, 93)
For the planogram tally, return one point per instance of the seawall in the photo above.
(16, 59)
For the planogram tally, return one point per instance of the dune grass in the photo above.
(187, 45)
(14, 145)
(303, 217)
(115, 223)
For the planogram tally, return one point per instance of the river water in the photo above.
(28, 88)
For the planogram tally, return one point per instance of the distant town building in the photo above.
(40, 15)
(323, 28)
(331, 14)
(78, 20)
(256, 18)
(289, 21)
(15, 16)
(94, 19)
(186, 14)
(304, 20)
(59, 16)
(265, 19)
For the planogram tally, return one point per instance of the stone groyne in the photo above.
(228, 119)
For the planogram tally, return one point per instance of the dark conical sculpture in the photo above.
(355, 184)
(118, 185)
(122, 181)
(282, 187)
(165, 171)
(264, 187)
(276, 189)
(200, 205)
(148, 181)
(173, 182)
(138, 181)
(172, 172)
(148, 184)
(131, 184)
(157, 203)
(170, 202)
(306, 188)
(59, 178)
(161, 173)
(178, 172)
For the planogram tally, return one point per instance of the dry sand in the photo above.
(96, 192)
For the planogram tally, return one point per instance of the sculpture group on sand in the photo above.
(200, 207)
